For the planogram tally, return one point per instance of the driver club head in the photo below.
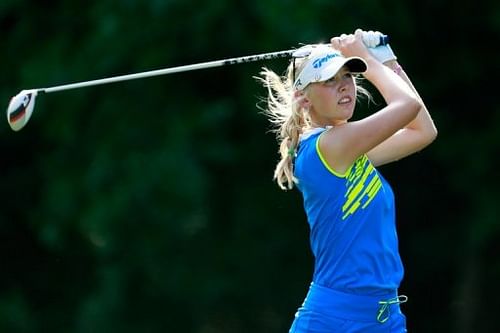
(20, 109)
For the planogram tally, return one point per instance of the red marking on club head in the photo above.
(16, 115)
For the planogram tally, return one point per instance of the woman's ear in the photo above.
(302, 99)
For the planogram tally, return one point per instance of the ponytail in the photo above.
(288, 120)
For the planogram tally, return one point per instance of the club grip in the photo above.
(384, 40)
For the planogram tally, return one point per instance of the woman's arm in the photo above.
(343, 144)
(415, 136)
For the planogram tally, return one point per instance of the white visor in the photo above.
(323, 62)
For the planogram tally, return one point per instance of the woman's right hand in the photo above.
(352, 45)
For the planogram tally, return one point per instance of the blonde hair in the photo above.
(287, 117)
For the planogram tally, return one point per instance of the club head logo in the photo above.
(20, 109)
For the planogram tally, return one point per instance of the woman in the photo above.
(349, 205)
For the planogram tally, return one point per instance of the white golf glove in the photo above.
(382, 53)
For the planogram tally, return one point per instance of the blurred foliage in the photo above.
(149, 206)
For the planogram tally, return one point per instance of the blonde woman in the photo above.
(332, 161)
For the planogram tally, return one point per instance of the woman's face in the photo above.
(332, 102)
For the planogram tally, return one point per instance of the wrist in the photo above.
(394, 66)
(391, 63)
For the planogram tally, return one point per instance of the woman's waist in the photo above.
(362, 307)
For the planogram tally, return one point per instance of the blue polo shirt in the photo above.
(352, 223)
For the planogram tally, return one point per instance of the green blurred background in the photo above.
(149, 206)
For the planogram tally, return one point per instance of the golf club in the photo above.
(21, 106)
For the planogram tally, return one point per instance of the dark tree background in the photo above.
(149, 206)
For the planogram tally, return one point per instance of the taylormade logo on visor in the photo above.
(319, 62)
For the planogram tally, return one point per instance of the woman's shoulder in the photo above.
(311, 133)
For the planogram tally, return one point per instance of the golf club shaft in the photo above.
(185, 68)
(171, 70)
